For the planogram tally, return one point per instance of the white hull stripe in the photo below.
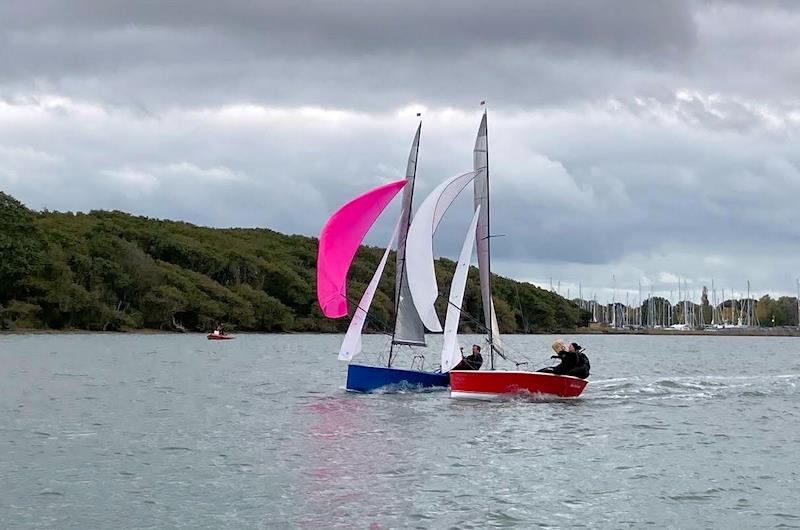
(492, 396)
(475, 395)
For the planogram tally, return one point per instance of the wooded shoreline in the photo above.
(112, 271)
(754, 332)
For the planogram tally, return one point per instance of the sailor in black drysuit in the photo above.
(472, 361)
(573, 362)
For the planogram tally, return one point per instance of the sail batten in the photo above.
(408, 327)
(450, 351)
(419, 250)
(339, 240)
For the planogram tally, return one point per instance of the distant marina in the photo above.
(657, 312)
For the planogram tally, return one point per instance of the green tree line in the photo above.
(108, 270)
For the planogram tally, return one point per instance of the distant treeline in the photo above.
(114, 271)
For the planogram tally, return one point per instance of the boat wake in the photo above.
(694, 387)
(535, 397)
(407, 388)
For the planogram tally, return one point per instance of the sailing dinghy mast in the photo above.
(492, 317)
(480, 161)
(408, 328)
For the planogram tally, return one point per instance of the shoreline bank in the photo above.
(728, 332)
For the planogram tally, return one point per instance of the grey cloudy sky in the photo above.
(649, 140)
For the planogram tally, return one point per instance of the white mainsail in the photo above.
(408, 328)
(450, 351)
(480, 162)
(351, 345)
(420, 270)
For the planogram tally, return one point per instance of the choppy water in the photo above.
(166, 431)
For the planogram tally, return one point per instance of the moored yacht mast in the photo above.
(614, 301)
(713, 304)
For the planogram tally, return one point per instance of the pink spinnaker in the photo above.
(339, 241)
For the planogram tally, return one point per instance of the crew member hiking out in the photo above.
(573, 361)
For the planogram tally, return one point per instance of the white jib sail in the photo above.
(351, 345)
(451, 354)
(419, 247)
(497, 342)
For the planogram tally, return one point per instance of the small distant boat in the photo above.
(217, 336)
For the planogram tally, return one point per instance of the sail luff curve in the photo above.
(339, 241)
(451, 354)
(419, 248)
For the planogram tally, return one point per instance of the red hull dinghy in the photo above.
(211, 336)
(496, 384)
(475, 383)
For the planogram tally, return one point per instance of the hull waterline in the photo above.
(365, 378)
(497, 384)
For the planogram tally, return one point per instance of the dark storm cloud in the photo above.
(653, 139)
(368, 27)
(355, 54)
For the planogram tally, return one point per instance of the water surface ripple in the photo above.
(170, 431)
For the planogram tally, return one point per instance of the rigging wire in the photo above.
(382, 328)
(482, 327)
(371, 317)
